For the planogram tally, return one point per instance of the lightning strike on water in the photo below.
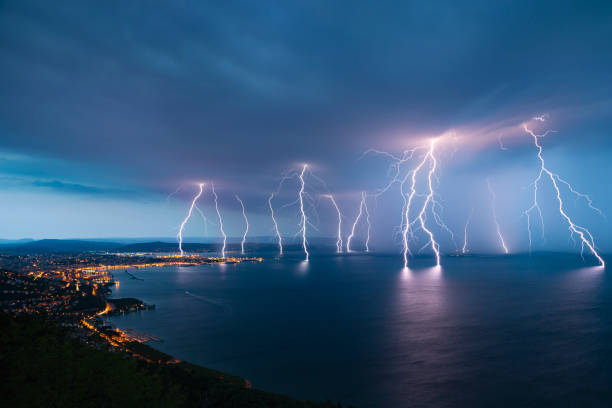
(362, 208)
(304, 220)
(220, 221)
(429, 199)
(465, 231)
(272, 214)
(339, 239)
(246, 222)
(495, 220)
(193, 203)
(584, 234)
(365, 207)
(406, 208)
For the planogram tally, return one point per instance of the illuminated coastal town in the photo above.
(74, 289)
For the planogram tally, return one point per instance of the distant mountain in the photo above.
(4, 242)
(159, 246)
(44, 246)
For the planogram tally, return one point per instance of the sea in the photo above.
(479, 331)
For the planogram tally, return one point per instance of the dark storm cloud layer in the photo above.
(166, 92)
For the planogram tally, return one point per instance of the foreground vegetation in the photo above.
(42, 364)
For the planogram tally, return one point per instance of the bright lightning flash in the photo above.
(585, 236)
(304, 220)
(220, 221)
(429, 199)
(193, 203)
(246, 223)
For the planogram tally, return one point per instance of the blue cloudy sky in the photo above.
(108, 107)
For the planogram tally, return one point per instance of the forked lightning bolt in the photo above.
(407, 224)
(246, 225)
(193, 203)
(585, 236)
(429, 199)
(220, 221)
(495, 220)
(339, 236)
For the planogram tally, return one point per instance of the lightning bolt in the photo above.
(272, 214)
(339, 239)
(395, 166)
(304, 220)
(584, 234)
(276, 230)
(193, 203)
(408, 192)
(204, 219)
(465, 231)
(365, 207)
(179, 188)
(497, 227)
(362, 208)
(246, 222)
(220, 221)
(429, 199)
(406, 224)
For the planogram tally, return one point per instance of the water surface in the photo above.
(478, 332)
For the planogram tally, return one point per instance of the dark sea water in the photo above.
(479, 332)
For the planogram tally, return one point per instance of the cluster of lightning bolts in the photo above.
(420, 209)
(219, 216)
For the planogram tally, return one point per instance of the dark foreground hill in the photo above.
(41, 365)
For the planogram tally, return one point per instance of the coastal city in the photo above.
(74, 290)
